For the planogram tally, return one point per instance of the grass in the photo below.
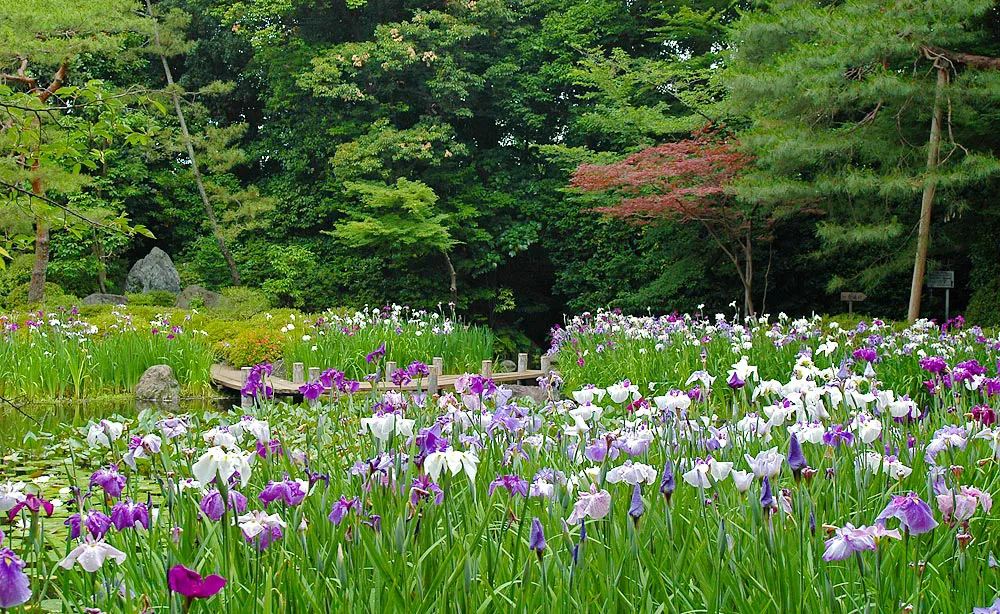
(710, 549)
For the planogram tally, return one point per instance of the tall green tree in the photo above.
(53, 129)
(872, 112)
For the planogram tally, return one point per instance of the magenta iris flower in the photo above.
(110, 480)
(933, 364)
(189, 583)
(15, 588)
(34, 504)
(913, 513)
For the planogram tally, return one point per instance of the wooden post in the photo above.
(298, 373)
(438, 364)
(313, 374)
(546, 363)
(487, 368)
(522, 362)
(432, 382)
(245, 400)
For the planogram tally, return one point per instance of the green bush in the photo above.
(17, 272)
(156, 298)
(984, 306)
(54, 296)
(241, 303)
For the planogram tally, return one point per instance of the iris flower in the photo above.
(913, 513)
(15, 588)
(454, 460)
(91, 555)
(192, 585)
(632, 473)
(592, 504)
(224, 464)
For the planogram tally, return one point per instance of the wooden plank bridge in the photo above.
(231, 378)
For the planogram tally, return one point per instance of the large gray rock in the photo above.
(154, 272)
(105, 299)
(206, 297)
(158, 384)
(507, 366)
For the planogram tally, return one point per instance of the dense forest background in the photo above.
(372, 151)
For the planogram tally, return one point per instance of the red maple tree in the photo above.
(686, 181)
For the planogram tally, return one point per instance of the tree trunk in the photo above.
(102, 274)
(209, 210)
(748, 279)
(453, 278)
(930, 186)
(40, 267)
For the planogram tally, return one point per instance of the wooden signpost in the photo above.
(850, 298)
(946, 280)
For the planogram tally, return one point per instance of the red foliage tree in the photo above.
(685, 181)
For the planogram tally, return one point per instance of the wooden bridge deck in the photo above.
(232, 379)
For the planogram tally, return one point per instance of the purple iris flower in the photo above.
(343, 507)
(599, 449)
(376, 354)
(331, 378)
(536, 542)
(735, 382)
(400, 377)
(423, 489)
(110, 480)
(865, 354)
(311, 391)
(796, 459)
(514, 484)
(34, 504)
(289, 491)
(271, 448)
(992, 609)
(213, 506)
(913, 513)
(636, 508)
(15, 588)
(766, 496)
(418, 369)
(429, 440)
(933, 364)
(97, 524)
(667, 482)
(837, 435)
(126, 514)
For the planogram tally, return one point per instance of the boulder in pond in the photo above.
(158, 383)
(104, 299)
(154, 272)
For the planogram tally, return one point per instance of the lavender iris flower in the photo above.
(15, 588)
(514, 484)
(992, 609)
(913, 513)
